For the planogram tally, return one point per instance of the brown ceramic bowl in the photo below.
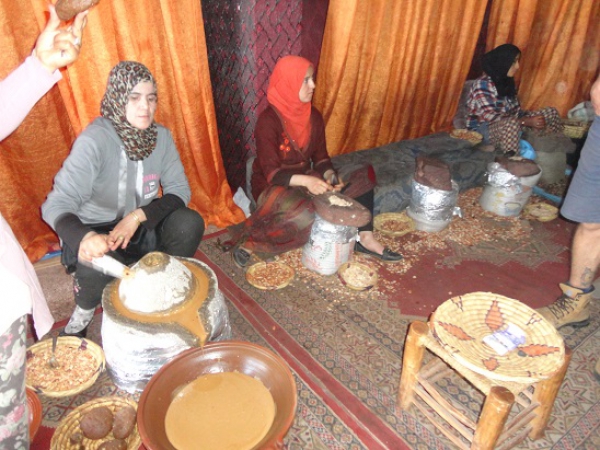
(35, 413)
(216, 357)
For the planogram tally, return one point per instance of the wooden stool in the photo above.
(454, 335)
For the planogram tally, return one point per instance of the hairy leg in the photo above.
(585, 255)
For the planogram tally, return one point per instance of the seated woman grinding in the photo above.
(291, 166)
(105, 197)
(493, 105)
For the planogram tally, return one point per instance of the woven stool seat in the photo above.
(503, 348)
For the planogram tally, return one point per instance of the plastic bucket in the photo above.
(328, 247)
(325, 257)
(508, 201)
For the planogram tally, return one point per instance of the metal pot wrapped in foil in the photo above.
(432, 209)
(166, 305)
(329, 246)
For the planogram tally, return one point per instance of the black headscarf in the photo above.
(139, 144)
(496, 64)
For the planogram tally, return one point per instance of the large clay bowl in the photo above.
(228, 356)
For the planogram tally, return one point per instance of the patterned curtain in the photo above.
(560, 44)
(166, 36)
(393, 69)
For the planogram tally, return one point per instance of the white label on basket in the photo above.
(505, 340)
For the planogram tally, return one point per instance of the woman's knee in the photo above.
(182, 232)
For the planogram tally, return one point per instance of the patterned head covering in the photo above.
(283, 93)
(496, 63)
(139, 144)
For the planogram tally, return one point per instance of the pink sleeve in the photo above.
(21, 90)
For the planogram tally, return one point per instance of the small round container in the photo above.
(357, 276)
(394, 224)
(35, 413)
(269, 276)
(215, 357)
(541, 211)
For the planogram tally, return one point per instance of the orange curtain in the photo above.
(393, 69)
(560, 44)
(166, 36)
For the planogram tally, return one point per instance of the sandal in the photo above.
(241, 257)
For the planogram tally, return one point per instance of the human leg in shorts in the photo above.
(582, 204)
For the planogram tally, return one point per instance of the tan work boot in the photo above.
(571, 308)
(597, 370)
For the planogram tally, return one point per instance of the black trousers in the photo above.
(368, 201)
(178, 234)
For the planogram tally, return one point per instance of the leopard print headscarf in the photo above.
(139, 144)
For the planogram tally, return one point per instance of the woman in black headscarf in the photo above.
(493, 105)
(106, 197)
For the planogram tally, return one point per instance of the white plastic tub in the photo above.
(508, 201)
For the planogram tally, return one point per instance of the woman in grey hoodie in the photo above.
(105, 198)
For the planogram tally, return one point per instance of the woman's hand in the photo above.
(315, 185)
(122, 233)
(93, 245)
(334, 180)
(537, 122)
(56, 48)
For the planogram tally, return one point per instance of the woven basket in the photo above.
(461, 324)
(540, 211)
(347, 273)
(394, 224)
(61, 440)
(45, 348)
(468, 135)
(256, 272)
(575, 129)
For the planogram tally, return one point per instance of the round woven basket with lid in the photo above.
(498, 337)
(69, 426)
(80, 363)
(394, 224)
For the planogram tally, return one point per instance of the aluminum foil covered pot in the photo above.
(328, 247)
(432, 209)
(166, 305)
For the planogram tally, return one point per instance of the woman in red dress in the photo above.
(291, 166)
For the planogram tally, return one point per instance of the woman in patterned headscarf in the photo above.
(291, 167)
(105, 198)
(493, 105)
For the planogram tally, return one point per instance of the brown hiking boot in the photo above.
(571, 308)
